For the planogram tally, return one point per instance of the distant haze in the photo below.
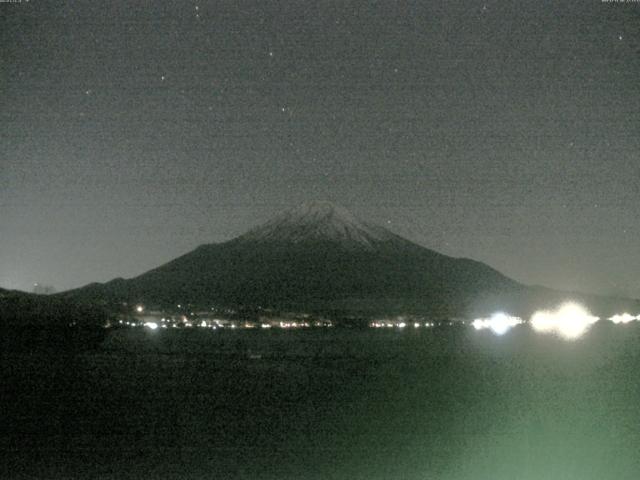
(505, 132)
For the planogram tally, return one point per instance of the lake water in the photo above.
(444, 403)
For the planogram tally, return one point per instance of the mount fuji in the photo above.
(320, 257)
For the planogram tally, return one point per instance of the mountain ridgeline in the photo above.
(319, 257)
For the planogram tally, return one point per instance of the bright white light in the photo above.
(624, 318)
(543, 321)
(416, 325)
(570, 321)
(499, 323)
(203, 324)
(139, 309)
(478, 324)
(574, 320)
(402, 325)
(151, 325)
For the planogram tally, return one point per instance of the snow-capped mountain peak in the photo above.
(318, 220)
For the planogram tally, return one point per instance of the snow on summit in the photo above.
(319, 221)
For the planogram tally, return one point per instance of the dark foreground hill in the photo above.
(29, 321)
(319, 257)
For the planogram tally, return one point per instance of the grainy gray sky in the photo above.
(507, 132)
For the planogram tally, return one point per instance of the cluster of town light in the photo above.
(399, 324)
(569, 321)
(184, 322)
(245, 325)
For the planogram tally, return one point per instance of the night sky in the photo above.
(508, 132)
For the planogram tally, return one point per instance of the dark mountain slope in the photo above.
(319, 256)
